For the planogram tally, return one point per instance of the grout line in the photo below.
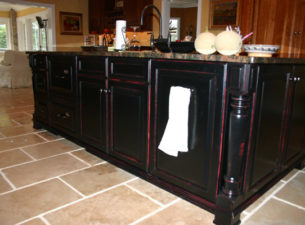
(100, 163)
(269, 197)
(288, 203)
(20, 124)
(76, 201)
(145, 195)
(28, 154)
(83, 161)
(70, 186)
(155, 212)
(36, 160)
(8, 181)
(42, 181)
(44, 220)
(41, 137)
(30, 114)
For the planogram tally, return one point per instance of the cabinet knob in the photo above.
(101, 91)
(66, 71)
(295, 79)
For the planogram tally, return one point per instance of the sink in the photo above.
(178, 47)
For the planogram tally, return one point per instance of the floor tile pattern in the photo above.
(48, 180)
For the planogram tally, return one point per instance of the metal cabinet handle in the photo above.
(102, 90)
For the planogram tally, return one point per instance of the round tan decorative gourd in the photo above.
(228, 43)
(205, 43)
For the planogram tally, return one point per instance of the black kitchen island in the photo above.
(245, 118)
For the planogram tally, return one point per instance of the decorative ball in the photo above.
(228, 43)
(205, 43)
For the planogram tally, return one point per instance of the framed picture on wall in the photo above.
(71, 23)
(223, 13)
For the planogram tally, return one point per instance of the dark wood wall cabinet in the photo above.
(104, 13)
(245, 121)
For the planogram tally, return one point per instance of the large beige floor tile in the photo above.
(42, 169)
(263, 197)
(34, 200)
(6, 122)
(20, 141)
(290, 174)
(153, 191)
(4, 186)
(49, 136)
(181, 213)
(294, 191)
(14, 131)
(277, 213)
(13, 157)
(119, 206)
(51, 148)
(97, 178)
(34, 222)
(26, 119)
(87, 157)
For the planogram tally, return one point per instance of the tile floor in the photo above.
(48, 180)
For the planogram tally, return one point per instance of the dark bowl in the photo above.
(179, 47)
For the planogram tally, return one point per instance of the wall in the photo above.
(66, 42)
(188, 20)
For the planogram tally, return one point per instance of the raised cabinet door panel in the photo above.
(296, 130)
(128, 127)
(194, 170)
(96, 11)
(269, 123)
(93, 112)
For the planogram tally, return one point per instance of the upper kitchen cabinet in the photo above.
(104, 13)
(277, 22)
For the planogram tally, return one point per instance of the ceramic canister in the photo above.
(120, 35)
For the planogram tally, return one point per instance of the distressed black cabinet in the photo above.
(271, 99)
(296, 128)
(92, 100)
(245, 121)
(195, 170)
(128, 101)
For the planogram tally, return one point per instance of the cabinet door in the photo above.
(128, 127)
(296, 129)
(272, 89)
(93, 112)
(195, 170)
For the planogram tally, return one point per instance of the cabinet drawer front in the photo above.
(63, 117)
(92, 66)
(62, 74)
(128, 69)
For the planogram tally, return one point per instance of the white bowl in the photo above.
(261, 50)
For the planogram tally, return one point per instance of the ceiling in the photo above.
(183, 3)
(6, 6)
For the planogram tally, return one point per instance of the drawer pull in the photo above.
(65, 115)
(66, 71)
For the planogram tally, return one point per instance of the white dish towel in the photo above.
(175, 137)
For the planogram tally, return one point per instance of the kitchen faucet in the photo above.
(160, 18)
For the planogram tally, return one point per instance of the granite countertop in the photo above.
(184, 56)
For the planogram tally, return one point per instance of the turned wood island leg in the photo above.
(238, 134)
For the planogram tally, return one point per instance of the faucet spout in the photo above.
(160, 17)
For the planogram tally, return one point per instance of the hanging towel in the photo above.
(175, 137)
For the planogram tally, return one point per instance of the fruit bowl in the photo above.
(261, 50)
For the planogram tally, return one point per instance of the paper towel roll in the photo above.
(120, 34)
